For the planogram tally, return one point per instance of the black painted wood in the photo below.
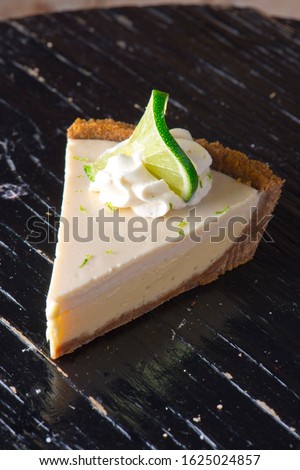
(218, 367)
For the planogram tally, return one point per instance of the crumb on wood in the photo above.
(98, 406)
(192, 305)
(228, 375)
(267, 408)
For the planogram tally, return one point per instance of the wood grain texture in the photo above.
(228, 352)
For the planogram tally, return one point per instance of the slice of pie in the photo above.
(112, 266)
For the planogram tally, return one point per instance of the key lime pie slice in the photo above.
(147, 214)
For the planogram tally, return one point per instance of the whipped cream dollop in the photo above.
(125, 181)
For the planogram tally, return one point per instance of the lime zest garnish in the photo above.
(81, 159)
(78, 191)
(180, 225)
(183, 223)
(85, 260)
(162, 156)
(209, 175)
(170, 205)
(109, 252)
(90, 171)
(80, 176)
(200, 183)
(83, 209)
(226, 208)
(111, 207)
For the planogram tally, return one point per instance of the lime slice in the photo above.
(162, 156)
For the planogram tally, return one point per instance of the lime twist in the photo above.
(162, 156)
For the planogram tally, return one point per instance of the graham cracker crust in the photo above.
(231, 162)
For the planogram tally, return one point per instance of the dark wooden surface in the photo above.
(218, 367)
